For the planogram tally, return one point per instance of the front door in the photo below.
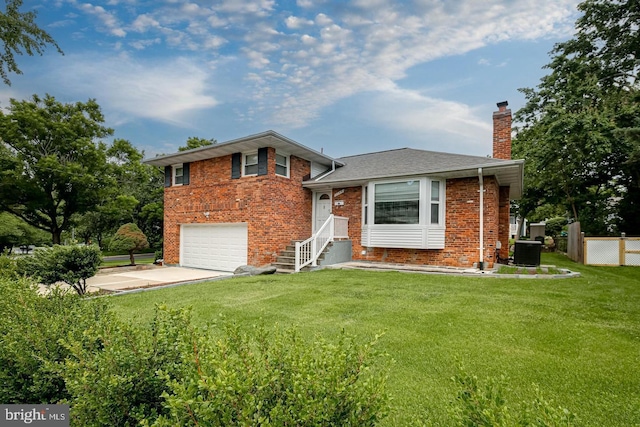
(323, 210)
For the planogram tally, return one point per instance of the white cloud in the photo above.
(143, 44)
(370, 45)
(165, 90)
(296, 23)
(254, 7)
(106, 18)
(304, 3)
(420, 117)
(143, 23)
(305, 61)
(323, 20)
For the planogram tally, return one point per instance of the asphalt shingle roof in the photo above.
(404, 161)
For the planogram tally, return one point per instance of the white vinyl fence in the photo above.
(612, 250)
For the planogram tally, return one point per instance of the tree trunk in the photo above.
(133, 261)
(55, 236)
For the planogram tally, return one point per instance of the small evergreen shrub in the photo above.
(129, 238)
(72, 265)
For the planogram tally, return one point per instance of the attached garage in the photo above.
(220, 247)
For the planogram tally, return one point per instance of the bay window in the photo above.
(408, 213)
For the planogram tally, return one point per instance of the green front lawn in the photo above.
(577, 339)
(126, 262)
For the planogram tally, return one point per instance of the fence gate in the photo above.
(612, 251)
(575, 244)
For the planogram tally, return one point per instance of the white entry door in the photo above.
(220, 247)
(323, 209)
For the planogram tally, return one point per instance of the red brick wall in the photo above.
(276, 209)
(502, 132)
(462, 226)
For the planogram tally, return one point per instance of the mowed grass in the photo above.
(577, 339)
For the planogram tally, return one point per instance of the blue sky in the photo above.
(344, 76)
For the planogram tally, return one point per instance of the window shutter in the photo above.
(185, 173)
(167, 176)
(262, 161)
(236, 165)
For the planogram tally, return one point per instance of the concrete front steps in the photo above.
(286, 261)
(336, 252)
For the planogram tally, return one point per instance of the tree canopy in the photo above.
(19, 34)
(196, 142)
(578, 130)
(52, 164)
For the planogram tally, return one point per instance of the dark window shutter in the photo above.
(167, 176)
(236, 165)
(185, 173)
(262, 161)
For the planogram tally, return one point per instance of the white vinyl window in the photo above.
(178, 175)
(435, 203)
(250, 163)
(365, 207)
(282, 165)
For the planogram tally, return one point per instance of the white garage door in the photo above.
(214, 247)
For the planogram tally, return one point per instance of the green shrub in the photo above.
(61, 348)
(33, 333)
(8, 266)
(112, 374)
(554, 226)
(276, 378)
(483, 404)
(72, 265)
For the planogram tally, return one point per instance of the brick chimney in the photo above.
(502, 132)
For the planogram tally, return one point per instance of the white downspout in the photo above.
(481, 178)
(333, 169)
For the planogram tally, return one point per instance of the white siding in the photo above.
(435, 237)
(317, 169)
(404, 236)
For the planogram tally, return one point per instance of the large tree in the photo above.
(575, 129)
(197, 142)
(137, 196)
(19, 34)
(53, 165)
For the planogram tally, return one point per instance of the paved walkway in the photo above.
(112, 280)
(382, 266)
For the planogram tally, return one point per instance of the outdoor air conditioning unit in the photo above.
(527, 252)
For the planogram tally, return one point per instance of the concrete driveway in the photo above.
(118, 280)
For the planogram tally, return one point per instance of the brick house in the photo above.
(243, 201)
